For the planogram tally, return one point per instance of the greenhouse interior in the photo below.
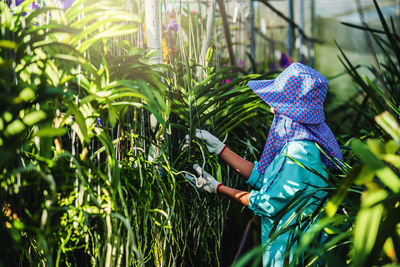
(200, 133)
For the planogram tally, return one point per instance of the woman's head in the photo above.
(298, 93)
(296, 98)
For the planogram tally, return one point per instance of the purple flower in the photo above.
(18, 2)
(173, 26)
(241, 64)
(272, 66)
(64, 4)
(285, 61)
(225, 81)
(35, 5)
(99, 122)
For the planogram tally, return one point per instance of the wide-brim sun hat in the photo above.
(298, 92)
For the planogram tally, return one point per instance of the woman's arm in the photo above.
(214, 145)
(239, 164)
(238, 195)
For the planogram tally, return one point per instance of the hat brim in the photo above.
(295, 109)
(260, 87)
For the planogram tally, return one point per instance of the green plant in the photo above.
(380, 89)
(86, 176)
(364, 233)
(76, 207)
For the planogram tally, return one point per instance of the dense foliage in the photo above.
(93, 142)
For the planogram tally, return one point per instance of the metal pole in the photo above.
(397, 15)
(154, 42)
(252, 31)
(153, 28)
(227, 32)
(312, 32)
(397, 7)
(302, 23)
(290, 31)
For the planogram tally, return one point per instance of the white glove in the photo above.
(205, 181)
(214, 145)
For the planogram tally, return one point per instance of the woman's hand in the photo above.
(214, 145)
(205, 181)
(208, 183)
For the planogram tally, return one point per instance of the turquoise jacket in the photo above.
(278, 186)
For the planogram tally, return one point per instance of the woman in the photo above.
(296, 98)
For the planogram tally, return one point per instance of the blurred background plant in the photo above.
(87, 178)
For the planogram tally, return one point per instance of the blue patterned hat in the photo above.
(297, 95)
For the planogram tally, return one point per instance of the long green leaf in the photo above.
(367, 225)
(118, 30)
(389, 124)
(80, 120)
(384, 173)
